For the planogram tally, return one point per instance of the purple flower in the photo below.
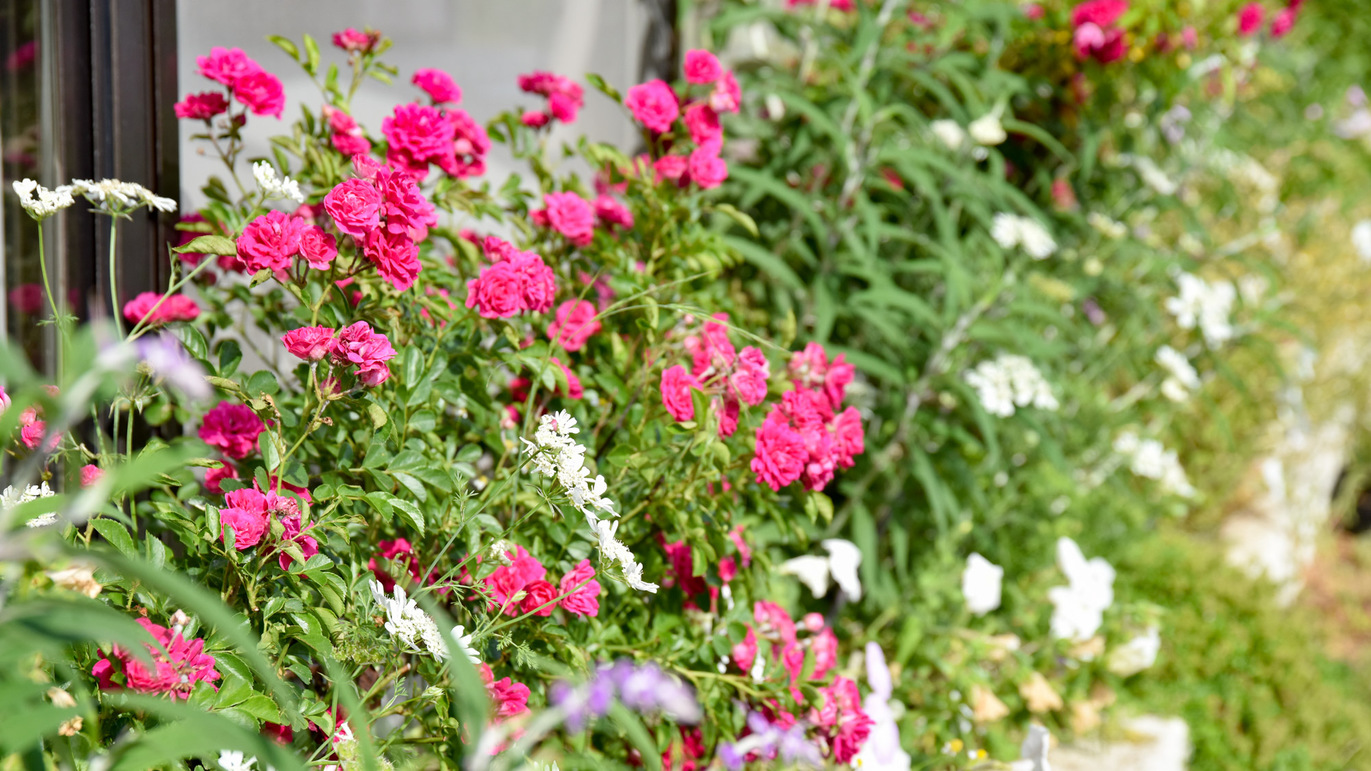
(168, 359)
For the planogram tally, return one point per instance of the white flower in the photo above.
(841, 564)
(39, 201)
(882, 750)
(13, 497)
(407, 623)
(276, 187)
(1079, 606)
(1361, 239)
(811, 569)
(986, 130)
(115, 197)
(981, 584)
(949, 132)
(1204, 305)
(553, 453)
(233, 760)
(1150, 459)
(843, 559)
(1010, 381)
(1151, 174)
(1137, 654)
(1011, 230)
(1181, 376)
(463, 643)
(1034, 751)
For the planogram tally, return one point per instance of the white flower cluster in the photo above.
(987, 130)
(1181, 376)
(115, 197)
(415, 629)
(273, 186)
(13, 497)
(1080, 605)
(1011, 230)
(1009, 381)
(39, 201)
(1150, 459)
(1204, 305)
(233, 760)
(556, 455)
(1107, 226)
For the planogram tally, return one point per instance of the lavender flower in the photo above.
(768, 740)
(642, 688)
(168, 359)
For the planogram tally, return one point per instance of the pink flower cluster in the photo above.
(418, 135)
(568, 214)
(356, 346)
(232, 429)
(388, 214)
(177, 664)
(805, 438)
(256, 89)
(519, 587)
(32, 427)
(717, 368)
(516, 282)
(145, 307)
(1096, 35)
(657, 107)
(509, 698)
(400, 552)
(270, 242)
(248, 513)
(564, 98)
(838, 715)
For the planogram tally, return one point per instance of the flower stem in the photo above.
(113, 284)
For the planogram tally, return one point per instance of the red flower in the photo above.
(245, 514)
(318, 248)
(611, 212)
(780, 453)
(355, 206)
(581, 589)
(232, 428)
(369, 351)
(538, 598)
(309, 343)
(417, 135)
(702, 67)
(1250, 19)
(177, 664)
(707, 169)
(90, 474)
(176, 307)
(226, 65)
(703, 123)
(201, 106)
(261, 92)
(268, 242)
(569, 214)
(676, 387)
(654, 105)
(575, 324)
(1101, 13)
(352, 41)
(395, 256)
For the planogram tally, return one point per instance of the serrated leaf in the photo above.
(208, 244)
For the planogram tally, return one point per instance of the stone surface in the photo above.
(1150, 743)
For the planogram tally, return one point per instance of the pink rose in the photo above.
(538, 599)
(31, 435)
(581, 590)
(352, 41)
(564, 97)
(849, 439)
(417, 135)
(407, 210)
(174, 308)
(395, 256)
(201, 106)
(215, 477)
(1101, 13)
(611, 212)
(293, 533)
(438, 85)
(261, 92)
(534, 119)
(359, 346)
(232, 428)
(318, 248)
(570, 215)
(1250, 19)
(226, 65)
(497, 292)
(574, 325)
(574, 389)
(750, 378)
(510, 698)
(676, 386)
(703, 123)
(707, 169)
(563, 106)
(1284, 22)
(539, 285)
(355, 206)
(670, 167)
(745, 651)
(702, 67)
(654, 105)
(727, 96)
(309, 343)
(268, 242)
(90, 474)
(779, 454)
(244, 513)
(465, 157)
(728, 418)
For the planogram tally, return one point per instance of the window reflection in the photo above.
(21, 156)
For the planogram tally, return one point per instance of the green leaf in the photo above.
(311, 56)
(749, 224)
(117, 535)
(285, 44)
(207, 244)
